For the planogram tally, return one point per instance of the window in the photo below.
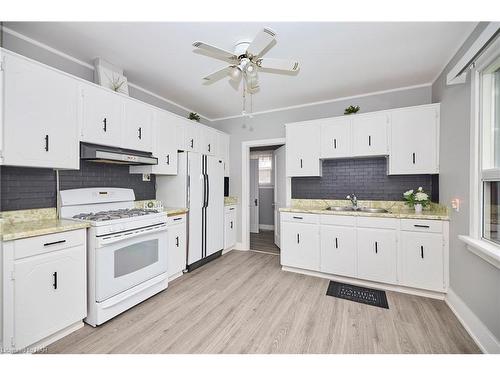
(265, 169)
(490, 150)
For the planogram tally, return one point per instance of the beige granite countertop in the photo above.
(174, 211)
(18, 230)
(396, 209)
(230, 201)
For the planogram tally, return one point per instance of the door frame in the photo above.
(245, 185)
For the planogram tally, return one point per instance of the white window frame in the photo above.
(488, 250)
(257, 155)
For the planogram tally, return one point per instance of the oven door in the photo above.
(127, 259)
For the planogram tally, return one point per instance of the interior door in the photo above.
(254, 195)
(196, 200)
(279, 189)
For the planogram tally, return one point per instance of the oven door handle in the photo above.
(113, 238)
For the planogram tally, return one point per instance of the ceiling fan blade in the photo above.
(215, 50)
(262, 41)
(215, 76)
(279, 64)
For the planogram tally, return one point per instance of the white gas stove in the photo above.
(127, 259)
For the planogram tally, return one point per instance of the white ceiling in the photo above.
(337, 59)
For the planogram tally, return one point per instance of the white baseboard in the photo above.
(483, 337)
(239, 246)
(266, 227)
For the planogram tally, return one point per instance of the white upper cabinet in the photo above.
(193, 137)
(369, 134)
(224, 152)
(40, 116)
(414, 144)
(164, 146)
(136, 131)
(210, 141)
(335, 137)
(303, 149)
(102, 116)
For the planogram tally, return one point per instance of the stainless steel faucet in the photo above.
(354, 200)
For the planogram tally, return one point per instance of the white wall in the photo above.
(272, 125)
(475, 281)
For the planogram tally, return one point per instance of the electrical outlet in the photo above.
(146, 177)
(455, 204)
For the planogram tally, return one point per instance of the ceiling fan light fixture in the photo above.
(235, 73)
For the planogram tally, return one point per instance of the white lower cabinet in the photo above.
(176, 252)
(422, 260)
(229, 227)
(44, 287)
(377, 254)
(338, 250)
(301, 241)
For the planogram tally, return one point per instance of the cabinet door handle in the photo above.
(298, 238)
(55, 280)
(369, 140)
(140, 132)
(178, 218)
(209, 147)
(413, 158)
(168, 159)
(192, 143)
(177, 241)
(231, 209)
(376, 247)
(298, 217)
(54, 243)
(47, 142)
(301, 164)
(422, 252)
(231, 225)
(336, 243)
(421, 226)
(334, 143)
(105, 127)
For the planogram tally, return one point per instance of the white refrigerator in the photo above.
(199, 186)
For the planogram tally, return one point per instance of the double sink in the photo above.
(357, 209)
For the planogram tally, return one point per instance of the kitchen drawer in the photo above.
(228, 209)
(415, 225)
(377, 222)
(51, 242)
(299, 217)
(338, 220)
(177, 219)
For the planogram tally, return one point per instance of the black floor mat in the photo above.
(359, 294)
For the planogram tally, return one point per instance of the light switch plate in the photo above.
(146, 177)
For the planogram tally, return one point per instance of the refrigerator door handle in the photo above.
(208, 189)
(205, 200)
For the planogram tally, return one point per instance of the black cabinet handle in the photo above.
(177, 241)
(336, 243)
(209, 147)
(376, 247)
(301, 164)
(231, 225)
(413, 158)
(421, 226)
(168, 159)
(231, 209)
(105, 127)
(47, 142)
(54, 243)
(140, 132)
(55, 280)
(298, 217)
(369, 140)
(334, 143)
(298, 238)
(178, 218)
(192, 143)
(422, 252)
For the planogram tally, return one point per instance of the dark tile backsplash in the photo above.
(366, 177)
(25, 188)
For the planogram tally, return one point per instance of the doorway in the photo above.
(267, 193)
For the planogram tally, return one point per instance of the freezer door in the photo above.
(215, 209)
(196, 201)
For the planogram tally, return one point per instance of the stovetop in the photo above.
(114, 214)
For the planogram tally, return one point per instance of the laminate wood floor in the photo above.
(244, 303)
(264, 241)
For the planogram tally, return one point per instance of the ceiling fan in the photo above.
(246, 61)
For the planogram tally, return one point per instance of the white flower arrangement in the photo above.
(420, 197)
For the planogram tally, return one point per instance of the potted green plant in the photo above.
(194, 116)
(351, 109)
(418, 199)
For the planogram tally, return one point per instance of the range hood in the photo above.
(115, 155)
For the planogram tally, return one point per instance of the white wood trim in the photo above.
(326, 101)
(483, 249)
(266, 227)
(452, 77)
(239, 246)
(245, 187)
(369, 284)
(483, 337)
(475, 164)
